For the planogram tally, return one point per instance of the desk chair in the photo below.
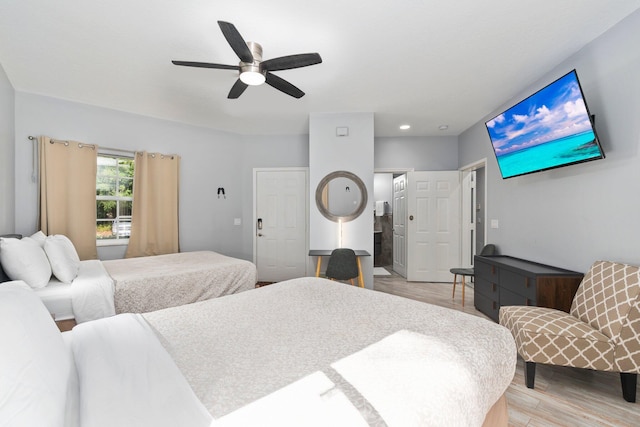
(343, 265)
(486, 250)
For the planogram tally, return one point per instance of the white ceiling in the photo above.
(422, 62)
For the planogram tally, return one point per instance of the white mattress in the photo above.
(56, 296)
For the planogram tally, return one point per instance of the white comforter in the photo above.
(239, 348)
(92, 292)
(127, 378)
(155, 282)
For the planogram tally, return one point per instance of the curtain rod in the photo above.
(117, 150)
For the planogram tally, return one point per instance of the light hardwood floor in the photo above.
(562, 396)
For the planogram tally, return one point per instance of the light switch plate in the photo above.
(237, 221)
(494, 223)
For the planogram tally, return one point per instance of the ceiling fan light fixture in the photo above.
(252, 78)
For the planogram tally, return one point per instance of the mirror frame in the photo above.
(344, 218)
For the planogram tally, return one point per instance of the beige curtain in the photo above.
(68, 192)
(154, 220)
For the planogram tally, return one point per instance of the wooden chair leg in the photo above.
(351, 280)
(629, 382)
(530, 372)
(455, 277)
(463, 286)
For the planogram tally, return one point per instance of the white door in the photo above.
(469, 214)
(280, 224)
(433, 227)
(399, 222)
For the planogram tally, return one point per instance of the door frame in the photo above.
(395, 171)
(479, 164)
(307, 267)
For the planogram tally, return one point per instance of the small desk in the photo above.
(327, 252)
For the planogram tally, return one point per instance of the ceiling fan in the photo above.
(253, 70)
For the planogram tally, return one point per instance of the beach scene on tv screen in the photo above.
(551, 128)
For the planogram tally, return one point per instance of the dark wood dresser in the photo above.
(504, 280)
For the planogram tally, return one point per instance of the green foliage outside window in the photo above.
(114, 197)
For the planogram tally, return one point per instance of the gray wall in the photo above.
(573, 216)
(352, 153)
(434, 153)
(210, 159)
(6, 154)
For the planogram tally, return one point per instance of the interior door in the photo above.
(433, 227)
(280, 224)
(399, 225)
(469, 214)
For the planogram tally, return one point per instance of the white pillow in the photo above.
(24, 259)
(39, 237)
(63, 257)
(36, 375)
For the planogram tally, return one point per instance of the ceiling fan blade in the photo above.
(291, 61)
(207, 65)
(283, 86)
(237, 89)
(236, 41)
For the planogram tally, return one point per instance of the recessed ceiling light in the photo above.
(405, 127)
(443, 127)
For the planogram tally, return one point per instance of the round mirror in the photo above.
(341, 196)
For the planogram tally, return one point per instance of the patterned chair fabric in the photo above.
(601, 332)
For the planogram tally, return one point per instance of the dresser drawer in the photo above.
(518, 283)
(486, 271)
(487, 306)
(511, 298)
(486, 288)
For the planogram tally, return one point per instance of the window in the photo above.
(114, 197)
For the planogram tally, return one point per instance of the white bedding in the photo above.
(152, 283)
(128, 379)
(56, 296)
(138, 285)
(343, 360)
(239, 348)
(88, 297)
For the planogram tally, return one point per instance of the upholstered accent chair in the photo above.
(601, 331)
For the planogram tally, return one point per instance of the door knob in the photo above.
(410, 217)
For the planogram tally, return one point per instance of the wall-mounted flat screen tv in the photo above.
(549, 129)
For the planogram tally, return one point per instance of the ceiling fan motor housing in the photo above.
(253, 67)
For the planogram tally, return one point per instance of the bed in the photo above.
(306, 351)
(97, 289)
